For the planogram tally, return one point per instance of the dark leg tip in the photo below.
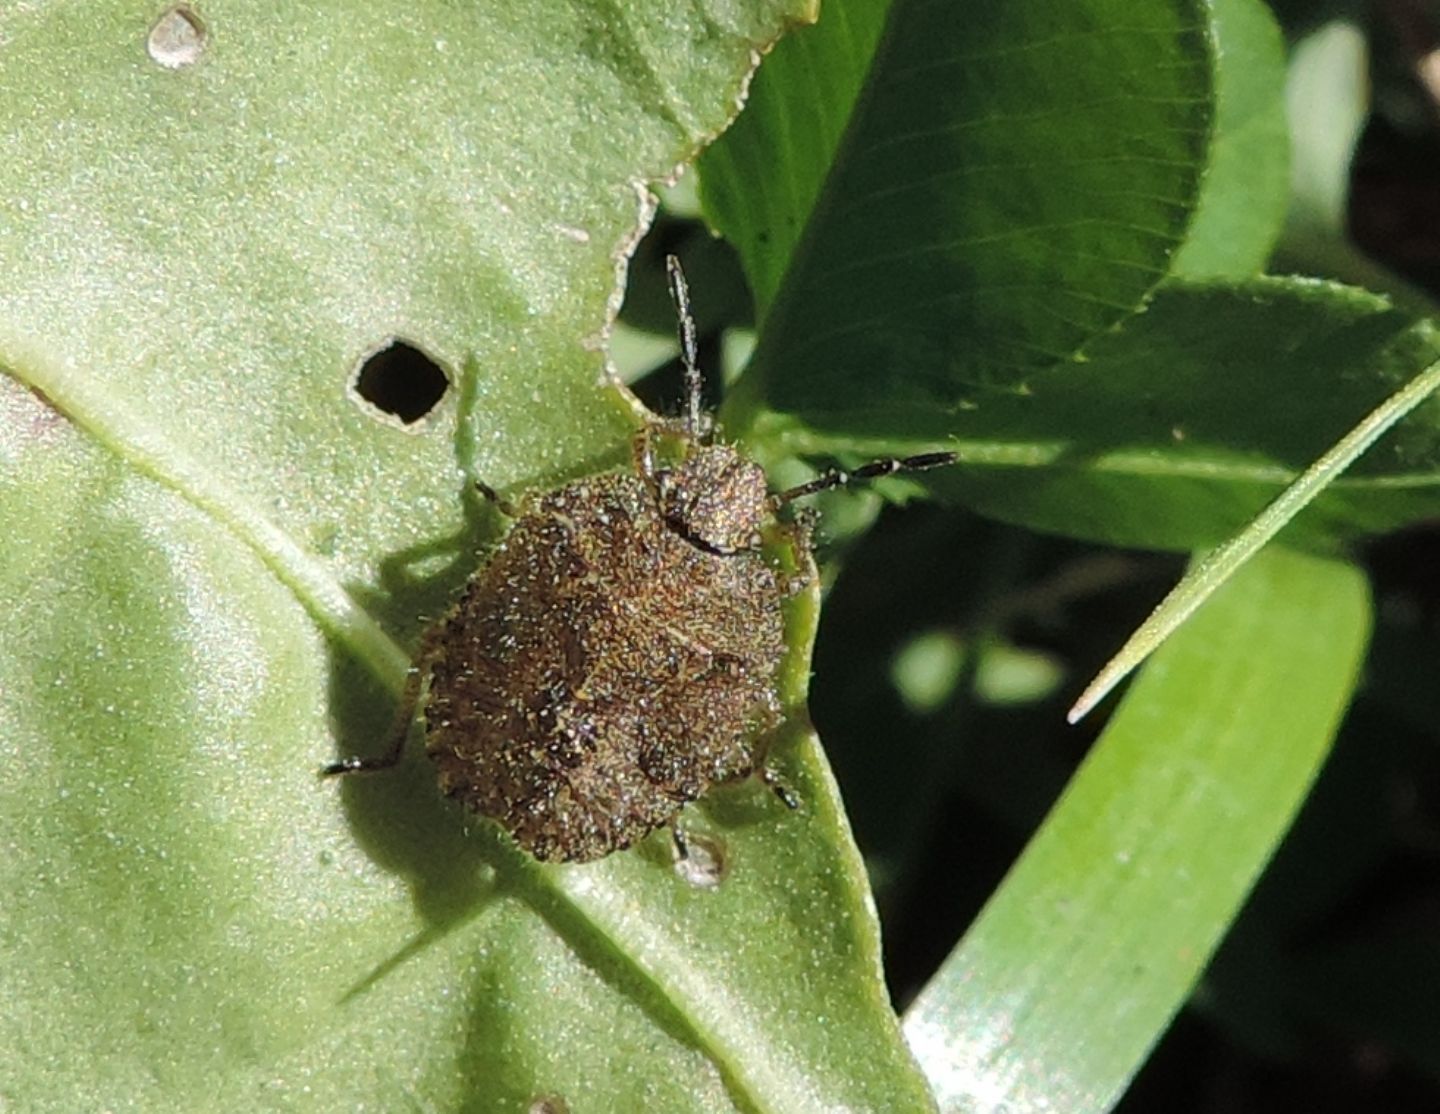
(682, 845)
(360, 766)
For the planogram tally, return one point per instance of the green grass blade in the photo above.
(1212, 570)
(1077, 965)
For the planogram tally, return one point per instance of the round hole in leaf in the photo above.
(401, 381)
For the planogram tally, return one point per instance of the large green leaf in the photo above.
(214, 553)
(1095, 939)
(1010, 181)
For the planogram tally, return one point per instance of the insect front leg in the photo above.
(679, 841)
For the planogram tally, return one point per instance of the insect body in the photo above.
(603, 670)
(617, 654)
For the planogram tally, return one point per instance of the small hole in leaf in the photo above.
(401, 381)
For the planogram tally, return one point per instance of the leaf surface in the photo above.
(216, 554)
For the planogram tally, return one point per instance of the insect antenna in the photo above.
(838, 477)
(680, 295)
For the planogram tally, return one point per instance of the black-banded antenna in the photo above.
(838, 477)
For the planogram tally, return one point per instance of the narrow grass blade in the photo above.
(1212, 570)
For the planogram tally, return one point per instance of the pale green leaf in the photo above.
(216, 556)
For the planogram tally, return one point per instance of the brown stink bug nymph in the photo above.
(616, 655)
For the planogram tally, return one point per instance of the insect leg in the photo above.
(642, 452)
(503, 505)
(779, 788)
(404, 716)
(682, 845)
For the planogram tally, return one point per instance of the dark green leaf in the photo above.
(1178, 428)
(1011, 180)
